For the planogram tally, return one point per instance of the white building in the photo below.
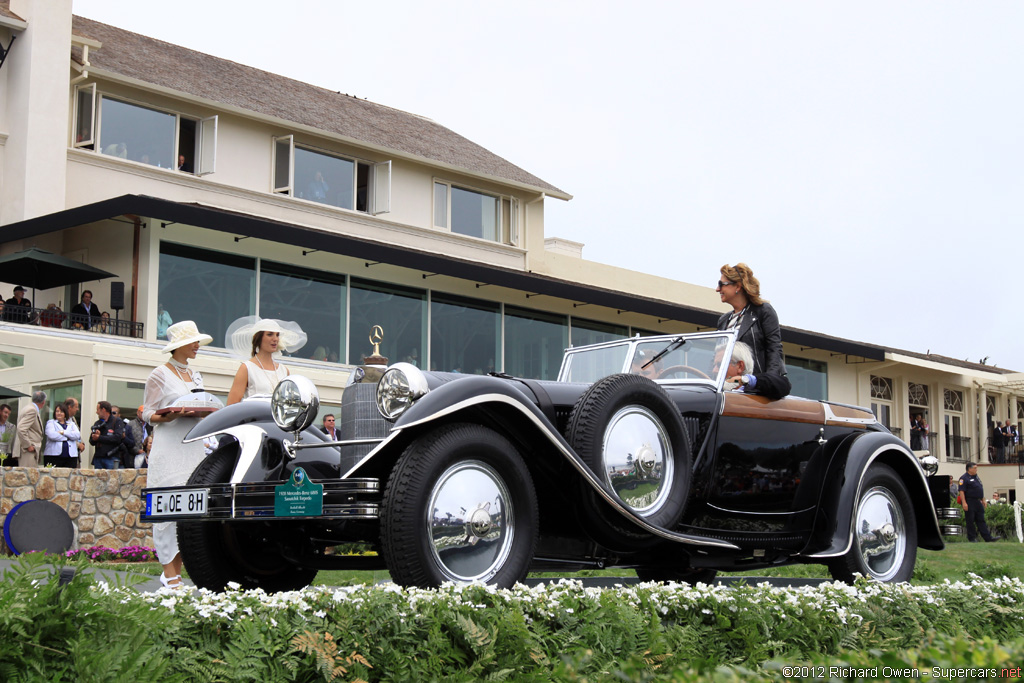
(310, 205)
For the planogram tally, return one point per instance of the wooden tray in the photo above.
(199, 410)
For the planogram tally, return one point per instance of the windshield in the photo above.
(677, 358)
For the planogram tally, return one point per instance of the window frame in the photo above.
(378, 195)
(507, 230)
(91, 141)
(205, 153)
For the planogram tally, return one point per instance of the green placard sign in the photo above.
(298, 497)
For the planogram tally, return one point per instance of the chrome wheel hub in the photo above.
(881, 533)
(637, 459)
(469, 522)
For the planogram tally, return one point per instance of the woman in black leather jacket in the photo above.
(756, 320)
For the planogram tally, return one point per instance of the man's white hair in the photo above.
(742, 352)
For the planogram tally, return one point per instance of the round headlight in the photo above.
(295, 403)
(930, 464)
(399, 388)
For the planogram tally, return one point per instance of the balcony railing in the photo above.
(896, 431)
(58, 319)
(1009, 454)
(958, 448)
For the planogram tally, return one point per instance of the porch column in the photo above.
(983, 430)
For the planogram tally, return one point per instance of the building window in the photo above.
(953, 400)
(125, 395)
(1020, 410)
(11, 360)
(146, 135)
(958, 446)
(475, 214)
(917, 394)
(881, 388)
(312, 298)
(808, 377)
(85, 109)
(325, 178)
(213, 288)
(881, 400)
(401, 311)
(584, 332)
(465, 334)
(534, 343)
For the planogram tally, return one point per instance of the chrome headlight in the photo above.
(295, 403)
(399, 388)
(930, 464)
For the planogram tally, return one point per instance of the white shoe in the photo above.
(171, 581)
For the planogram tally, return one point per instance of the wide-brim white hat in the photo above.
(184, 333)
(240, 333)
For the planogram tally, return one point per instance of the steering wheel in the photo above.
(676, 368)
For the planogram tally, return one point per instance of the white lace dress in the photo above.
(262, 381)
(170, 462)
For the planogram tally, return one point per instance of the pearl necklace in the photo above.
(178, 367)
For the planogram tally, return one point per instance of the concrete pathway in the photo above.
(152, 583)
(111, 576)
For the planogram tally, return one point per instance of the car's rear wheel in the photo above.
(627, 430)
(459, 506)
(246, 553)
(884, 546)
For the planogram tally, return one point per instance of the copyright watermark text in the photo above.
(893, 673)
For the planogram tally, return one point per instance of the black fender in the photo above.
(260, 444)
(469, 396)
(833, 526)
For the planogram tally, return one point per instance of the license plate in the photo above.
(184, 502)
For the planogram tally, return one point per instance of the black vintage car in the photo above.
(638, 456)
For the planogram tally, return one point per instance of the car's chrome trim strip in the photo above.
(372, 452)
(250, 438)
(335, 444)
(580, 466)
(759, 514)
(830, 416)
(860, 484)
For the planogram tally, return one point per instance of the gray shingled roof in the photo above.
(220, 80)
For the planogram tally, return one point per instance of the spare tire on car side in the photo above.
(628, 431)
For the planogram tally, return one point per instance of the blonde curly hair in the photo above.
(742, 275)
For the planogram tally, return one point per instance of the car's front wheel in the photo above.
(884, 546)
(247, 553)
(459, 506)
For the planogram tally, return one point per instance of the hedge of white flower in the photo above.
(555, 631)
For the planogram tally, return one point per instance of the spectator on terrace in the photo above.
(52, 316)
(85, 314)
(18, 307)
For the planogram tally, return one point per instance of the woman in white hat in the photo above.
(261, 340)
(171, 461)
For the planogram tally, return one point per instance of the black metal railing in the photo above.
(958, 448)
(56, 318)
(1001, 453)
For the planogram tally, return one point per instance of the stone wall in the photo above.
(104, 505)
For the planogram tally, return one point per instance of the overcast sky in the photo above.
(864, 158)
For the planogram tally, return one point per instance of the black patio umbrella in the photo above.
(10, 393)
(41, 269)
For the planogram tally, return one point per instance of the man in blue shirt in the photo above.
(972, 498)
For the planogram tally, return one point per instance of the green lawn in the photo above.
(988, 560)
